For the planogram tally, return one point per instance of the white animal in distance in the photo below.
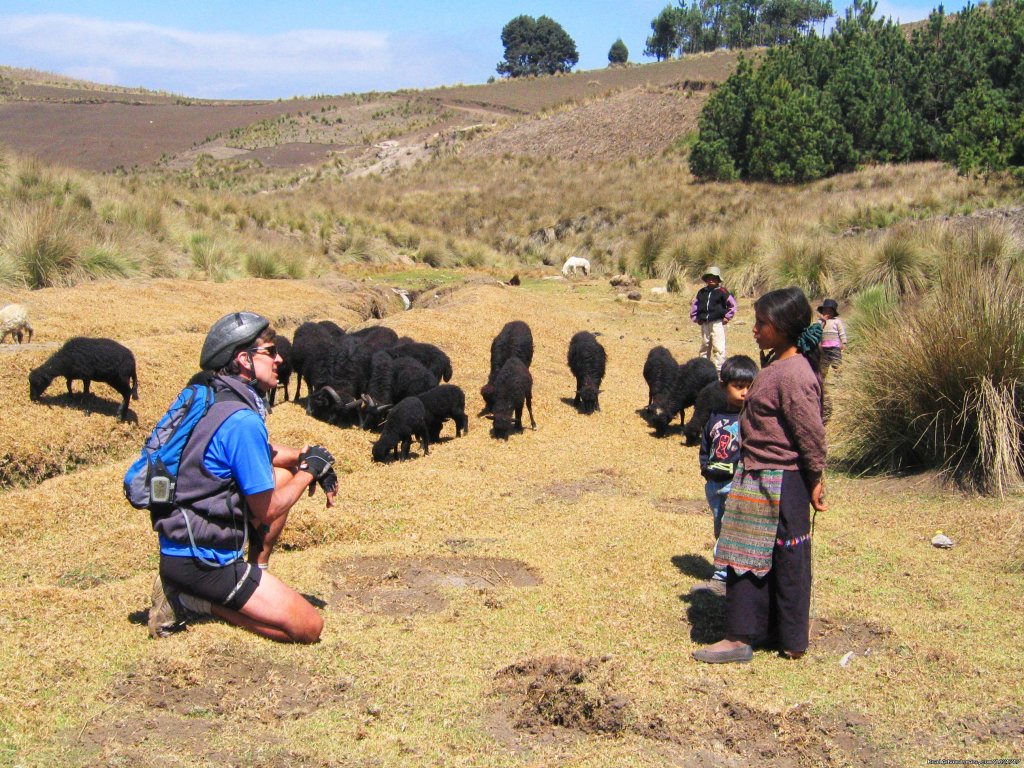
(576, 262)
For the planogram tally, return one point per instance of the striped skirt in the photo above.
(750, 522)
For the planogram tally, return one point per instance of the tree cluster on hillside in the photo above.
(703, 25)
(536, 47)
(867, 93)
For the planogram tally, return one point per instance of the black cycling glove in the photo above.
(329, 481)
(316, 460)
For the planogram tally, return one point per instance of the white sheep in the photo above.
(14, 321)
(576, 262)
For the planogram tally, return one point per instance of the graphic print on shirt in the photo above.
(728, 439)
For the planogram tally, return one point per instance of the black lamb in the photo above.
(710, 398)
(431, 356)
(691, 377)
(513, 387)
(444, 402)
(514, 340)
(587, 360)
(405, 421)
(89, 360)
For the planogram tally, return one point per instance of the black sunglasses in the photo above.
(270, 351)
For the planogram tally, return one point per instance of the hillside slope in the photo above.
(100, 128)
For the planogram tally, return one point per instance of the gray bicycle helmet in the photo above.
(229, 334)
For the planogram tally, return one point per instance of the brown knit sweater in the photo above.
(781, 420)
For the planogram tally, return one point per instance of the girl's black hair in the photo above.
(790, 312)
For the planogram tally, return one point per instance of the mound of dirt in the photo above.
(565, 692)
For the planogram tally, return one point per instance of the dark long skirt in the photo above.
(776, 607)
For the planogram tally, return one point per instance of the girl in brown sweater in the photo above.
(766, 532)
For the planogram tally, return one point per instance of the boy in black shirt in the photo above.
(720, 449)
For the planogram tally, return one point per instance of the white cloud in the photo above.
(86, 44)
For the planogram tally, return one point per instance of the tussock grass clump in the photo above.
(941, 384)
(39, 245)
(902, 263)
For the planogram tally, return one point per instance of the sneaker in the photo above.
(715, 586)
(165, 618)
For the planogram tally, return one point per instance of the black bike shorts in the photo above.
(228, 585)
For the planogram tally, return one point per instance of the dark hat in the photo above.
(829, 305)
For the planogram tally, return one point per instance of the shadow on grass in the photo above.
(706, 614)
(694, 566)
(88, 404)
(705, 611)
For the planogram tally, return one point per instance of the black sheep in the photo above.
(284, 368)
(392, 380)
(513, 387)
(660, 371)
(338, 381)
(89, 360)
(432, 357)
(710, 398)
(691, 378)
(405, 421)
(587, 360)
(444, 402)
(311, 344)
(514, 340)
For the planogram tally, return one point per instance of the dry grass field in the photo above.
(519, 603)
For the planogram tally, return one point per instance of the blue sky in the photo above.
(260, 49)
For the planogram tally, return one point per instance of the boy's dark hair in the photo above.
(738, 369)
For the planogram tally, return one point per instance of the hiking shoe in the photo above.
(715, 586)
(165, 615)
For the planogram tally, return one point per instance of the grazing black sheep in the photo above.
(660, 373)
(311, 345)
(89, 360)
(338, 381)
(587, 360)
(691, 377)
(444, 402)
(432, 357)
(513, 386)
(284, 368)
(514, 340)
(710, 398)
(405, 421)
(392, 380)
(515, 279)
